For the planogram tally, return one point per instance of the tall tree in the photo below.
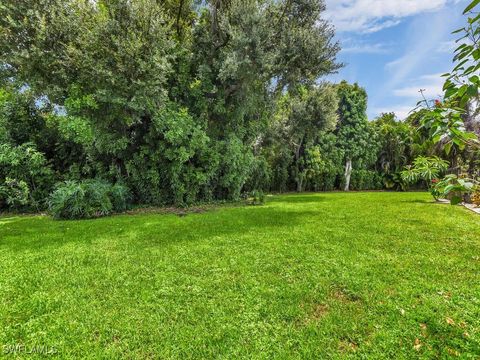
(311, 112)
(354, 134)
(175, 93)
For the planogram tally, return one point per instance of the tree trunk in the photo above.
(299, 182)
(348, 173)
(298, 177)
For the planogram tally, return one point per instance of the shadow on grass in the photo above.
(418, 201)
(147, 230)
(304, 198)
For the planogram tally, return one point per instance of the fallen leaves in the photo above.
(445, 294)
(417, 344)
(450, 321)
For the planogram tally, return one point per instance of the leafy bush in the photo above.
(97, 195)
(176, 164)
(14, 193)
(365, 180)
(88, 199)
(68, 201)
(394, 181)
(121, 197)
(453, 188)
(29, 167)
(257, 197)
(261, 175)
(425, 169)
(236, 165)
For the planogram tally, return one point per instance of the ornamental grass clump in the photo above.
(88, 199)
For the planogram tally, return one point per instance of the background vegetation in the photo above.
(181, 102)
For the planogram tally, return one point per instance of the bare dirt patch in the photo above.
(347, 346)
(315, 313)
(344, 296)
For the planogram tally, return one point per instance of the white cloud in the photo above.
(374, 15)
(447, 47)
(418, 54)
(394, 63)
(402, 111)
(380, 25)
(365, 48)
(415, 69)
(430, 84)
(410, 95)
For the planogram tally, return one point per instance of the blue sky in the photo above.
(393, 48)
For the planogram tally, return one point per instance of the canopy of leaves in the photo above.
(169, 96)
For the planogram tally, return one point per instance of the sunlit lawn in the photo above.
(380, 275)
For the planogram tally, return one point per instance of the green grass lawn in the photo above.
(377, 275)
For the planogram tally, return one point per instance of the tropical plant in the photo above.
(14, 193)
(396, 140)
(453, 188)
(446, 121)
(87, 199)
(24, 164)
(120, 197)
(426, 169)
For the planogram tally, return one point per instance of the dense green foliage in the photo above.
(179, 101)
(313, 136)
(168, 97)
(453, 124)
(88, 199)
(426, 169)
(355, 137)
(289, 280)
(454, 188)
(185, 102)
(449, 121)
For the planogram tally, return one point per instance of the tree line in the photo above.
(183, 101)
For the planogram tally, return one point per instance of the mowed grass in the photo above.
(334, 275)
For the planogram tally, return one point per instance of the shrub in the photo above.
(14, 193)
(97, 196)
(88, 199)
(236, 164)
(260, 176)
(362, 179)
(394, 181)
(68, 201)
(177, 162)
(328, 180)
(121, 197)
(29, 167)
(453, 188)
(424, 168)
(257, 197)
